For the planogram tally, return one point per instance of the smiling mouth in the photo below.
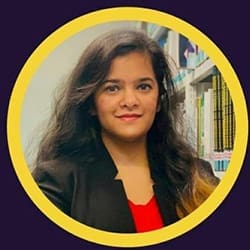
(129, 117)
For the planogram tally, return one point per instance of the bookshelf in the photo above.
(209, 123)
(157, 32)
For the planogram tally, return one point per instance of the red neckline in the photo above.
(147, 217)
(142, 205)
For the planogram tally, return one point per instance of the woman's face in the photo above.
(127, 101)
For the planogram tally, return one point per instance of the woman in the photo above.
(112, 158)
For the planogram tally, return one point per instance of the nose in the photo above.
(129, 99)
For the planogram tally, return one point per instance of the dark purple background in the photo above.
(24, 26)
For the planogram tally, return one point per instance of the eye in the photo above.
(112, 88)
(144, 86)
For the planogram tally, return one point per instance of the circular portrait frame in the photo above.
(14, 135)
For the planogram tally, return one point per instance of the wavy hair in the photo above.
(72, 128)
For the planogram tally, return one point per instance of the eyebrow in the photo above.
(114, 80)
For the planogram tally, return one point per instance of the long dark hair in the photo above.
(72, 128)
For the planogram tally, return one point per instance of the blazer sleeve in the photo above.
(55, 179)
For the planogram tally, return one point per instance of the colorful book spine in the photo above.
(224, 122)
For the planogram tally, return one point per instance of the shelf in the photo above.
(219, 174)
(158, 32)
(194, 88)
(195, 75)
(202, 71)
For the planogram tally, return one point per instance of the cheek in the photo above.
(103, 106)
(152, 104)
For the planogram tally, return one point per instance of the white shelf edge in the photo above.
(199, 73)
(219, 174)
(202, 71)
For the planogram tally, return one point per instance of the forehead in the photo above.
(132, 62)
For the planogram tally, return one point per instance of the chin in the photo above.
(132, 138)
(124, 135)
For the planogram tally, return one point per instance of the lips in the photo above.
(129, 117)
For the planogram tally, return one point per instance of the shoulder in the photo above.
(58, 174)
(67, 172)
(58, 180)
(55, 168)
(62, 172)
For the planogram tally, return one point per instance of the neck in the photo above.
(127, 153)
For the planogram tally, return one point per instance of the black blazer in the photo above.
(88, 192)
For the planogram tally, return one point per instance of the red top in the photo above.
(146, 217)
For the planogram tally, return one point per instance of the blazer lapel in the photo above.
(108, 205)
(164, 193)
(166, 203)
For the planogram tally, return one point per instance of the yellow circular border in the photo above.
(14, 134)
